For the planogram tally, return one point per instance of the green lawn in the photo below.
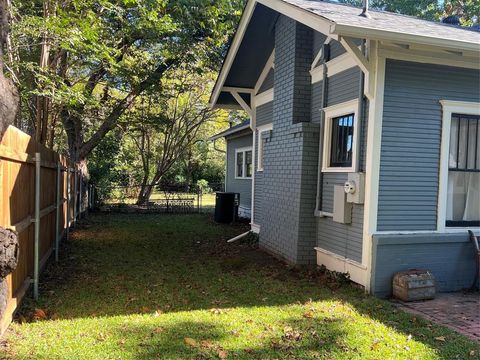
(169, 287)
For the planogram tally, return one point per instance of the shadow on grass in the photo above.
(133, 264)
(175, 341)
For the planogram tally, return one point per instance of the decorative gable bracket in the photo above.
(364, 62)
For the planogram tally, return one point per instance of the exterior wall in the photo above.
(264, 115)
(285, 211)
(411, 134)
(450, 257)
(409, 168)
(341, 239)
(268, 82)
(242, 186)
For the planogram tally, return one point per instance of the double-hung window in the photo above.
(340, 137)
(243, 163)
(459, 186)
(463, 195)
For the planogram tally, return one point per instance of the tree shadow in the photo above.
(175, 340)
(131, 264)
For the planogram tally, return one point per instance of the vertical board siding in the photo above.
(268, 82)
(241, 186)
(17, 199)
(411, 134)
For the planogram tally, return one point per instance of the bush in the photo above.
(203, 186)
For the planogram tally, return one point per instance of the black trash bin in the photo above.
(226, 207)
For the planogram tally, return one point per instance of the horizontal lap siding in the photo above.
(264, 115)
(341, 239)
(267, 83)
(411, 133)
(242, 186)
(449, 257)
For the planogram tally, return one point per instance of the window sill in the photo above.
(339, 170)
(243, 178)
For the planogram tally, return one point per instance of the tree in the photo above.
(168, 124)
(467, 10)
(9, 99)
(96, 57)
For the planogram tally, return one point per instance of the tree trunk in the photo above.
(144, 194)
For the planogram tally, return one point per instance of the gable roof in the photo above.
(334, 20)
(387, 25)
(233, 130)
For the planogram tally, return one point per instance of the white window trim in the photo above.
(260, 130)
(349, 107)
(450, 107)
(243, 150)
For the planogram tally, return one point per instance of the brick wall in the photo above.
(287, 223)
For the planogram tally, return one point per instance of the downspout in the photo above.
(474, 240)
(325, 58)
(361, 110)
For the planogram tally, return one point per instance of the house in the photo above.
(365, 132)
(239, 164)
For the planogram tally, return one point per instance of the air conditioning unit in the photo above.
(342, 210)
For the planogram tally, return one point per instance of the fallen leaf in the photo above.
(440, 338)
(308, 315)
(190, 342)
(471, 353)
(158, 330)
(248, 350)
(157, 313)
(39, 314)
(222, 354)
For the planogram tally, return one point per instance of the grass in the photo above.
(169, 287)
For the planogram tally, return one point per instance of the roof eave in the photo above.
(375, 34)
(229, 132)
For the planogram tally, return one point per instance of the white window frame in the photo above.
(243, 150)
(260, 130)
(450, 107)
(331, 112)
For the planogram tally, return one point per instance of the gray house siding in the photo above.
(341, 239)
(409, 168)
(410, 155)
(287, 225)
(449, 257)
(268, 82)
(242, 186)
(264, 116)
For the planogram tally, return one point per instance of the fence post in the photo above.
(68, 200)
(74, 195)
(80, 195)
(57, 218)
(36, 262)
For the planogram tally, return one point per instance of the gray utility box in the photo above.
(414, 285)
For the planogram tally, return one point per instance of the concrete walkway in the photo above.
(459, 311)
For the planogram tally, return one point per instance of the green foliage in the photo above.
(202, 186)
(467, 10)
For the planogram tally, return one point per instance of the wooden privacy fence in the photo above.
(42, 194)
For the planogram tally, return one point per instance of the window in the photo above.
(260, 131)
(340, 140)
(459, 176)
(243, 163)
(463, 195)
